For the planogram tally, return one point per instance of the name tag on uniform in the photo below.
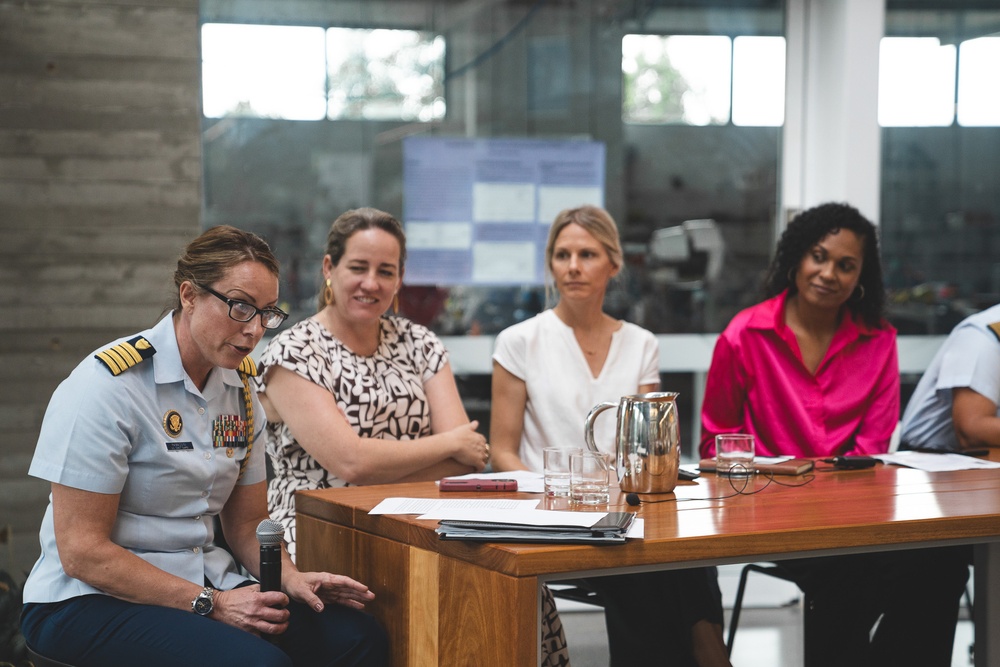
(179, 446)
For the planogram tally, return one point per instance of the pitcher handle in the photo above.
(588, 429)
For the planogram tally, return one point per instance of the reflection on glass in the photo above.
(759, 81)
(939, 209)
(282, 72)
(978, 85)
(916, 82)
(677, 79)
(385, 74)
(715, 183)
(263, 71)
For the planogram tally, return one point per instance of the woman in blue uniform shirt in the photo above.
(144, 444)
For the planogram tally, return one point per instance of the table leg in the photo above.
(986, 604)
(487, 618)
(437, 610)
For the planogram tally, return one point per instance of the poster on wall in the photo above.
(477, 211)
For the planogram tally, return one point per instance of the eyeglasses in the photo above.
(241, 311)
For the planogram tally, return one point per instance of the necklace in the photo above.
(595, 344)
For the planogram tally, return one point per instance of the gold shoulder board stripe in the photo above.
(248, 367)
(995, 328)
(123, 356)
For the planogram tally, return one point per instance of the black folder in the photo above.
(611, 529)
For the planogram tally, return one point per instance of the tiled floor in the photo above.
(769, 635)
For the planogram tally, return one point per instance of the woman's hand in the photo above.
(248, 609)
(317, 589)
(471, 448)
(317, 423)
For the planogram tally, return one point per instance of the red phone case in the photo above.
(472, 484)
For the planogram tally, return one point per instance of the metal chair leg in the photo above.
(734, 620)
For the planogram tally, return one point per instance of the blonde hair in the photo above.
(598, 223)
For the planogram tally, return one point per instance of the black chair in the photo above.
(776, 570)
(772, 570)
(577, 591)
(39, 660)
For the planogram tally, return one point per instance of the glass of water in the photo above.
(556, 472)
(590, 478)
(734, 454)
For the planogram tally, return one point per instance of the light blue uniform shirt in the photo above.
(108, 434)
(969, 357)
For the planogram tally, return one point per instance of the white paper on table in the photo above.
(527, 481)
(936, 462)
(424, 505)
(524, 517)
(771, 460)
(637, 531)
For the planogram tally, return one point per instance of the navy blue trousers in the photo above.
(914, 595)
(649, 615)
(102, 631)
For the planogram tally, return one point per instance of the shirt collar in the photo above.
(770, 314)
(167, 366)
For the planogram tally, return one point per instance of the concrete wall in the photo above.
(100, 173)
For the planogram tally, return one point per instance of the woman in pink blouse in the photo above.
(813, 372)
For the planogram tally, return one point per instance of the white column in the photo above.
(831, 147)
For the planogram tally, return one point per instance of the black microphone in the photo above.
(270, 534)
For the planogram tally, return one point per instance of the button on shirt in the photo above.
(969, 357)
(106, 434)
(757, 383)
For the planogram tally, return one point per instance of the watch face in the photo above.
(203, 605)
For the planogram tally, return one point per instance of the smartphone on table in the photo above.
(477, 484)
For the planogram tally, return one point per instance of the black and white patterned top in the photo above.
(382, 396)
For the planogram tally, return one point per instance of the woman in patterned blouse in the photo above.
(356, 396)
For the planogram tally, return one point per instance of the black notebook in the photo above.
(611, 529)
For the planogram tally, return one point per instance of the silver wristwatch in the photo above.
(202, 605)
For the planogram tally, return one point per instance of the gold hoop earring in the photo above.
(862, 288)
(328, 293)
(395, 303)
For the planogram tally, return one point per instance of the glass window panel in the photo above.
(979, 82)
(715, 184)
(385, 74)
(263, 71)
(940, 206)
(678, 79)
(288, 180)
(759, 81)
(916, 86)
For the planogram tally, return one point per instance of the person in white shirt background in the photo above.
(548, 372)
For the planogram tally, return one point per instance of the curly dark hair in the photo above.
(809, 228)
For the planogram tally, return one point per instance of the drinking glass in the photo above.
(556, 470)
(734, 454)
(590, 478)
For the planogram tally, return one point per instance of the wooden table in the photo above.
(455, 603)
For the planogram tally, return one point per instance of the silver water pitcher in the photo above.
(647, 441)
